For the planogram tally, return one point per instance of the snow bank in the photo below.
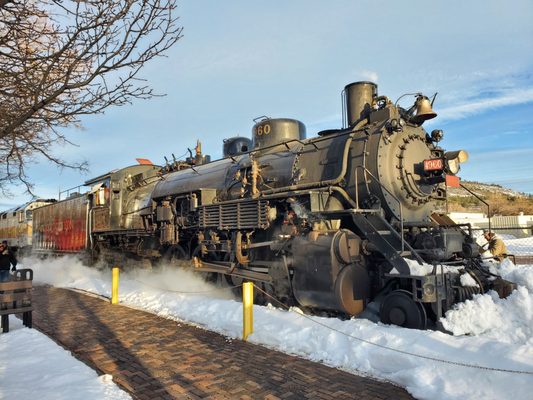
(507, 320)
(33, 366)
(520, 274)
(356, 345)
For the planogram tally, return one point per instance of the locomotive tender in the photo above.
(326, 222)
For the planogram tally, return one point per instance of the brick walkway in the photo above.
(155, 358)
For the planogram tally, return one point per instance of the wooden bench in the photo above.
(15, 298)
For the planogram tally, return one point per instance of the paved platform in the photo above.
(155, 358)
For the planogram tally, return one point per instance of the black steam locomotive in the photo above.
(327, 223)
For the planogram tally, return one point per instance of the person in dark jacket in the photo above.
(7, 261)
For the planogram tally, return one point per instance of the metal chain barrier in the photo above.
(88, 292)
(461, 364)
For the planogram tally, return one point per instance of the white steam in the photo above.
(69, 272)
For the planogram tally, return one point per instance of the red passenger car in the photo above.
(61, 227)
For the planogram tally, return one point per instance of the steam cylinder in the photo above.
(359, 97)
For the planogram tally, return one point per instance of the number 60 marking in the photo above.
(263, 129)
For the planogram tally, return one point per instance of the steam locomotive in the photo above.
(330, 223)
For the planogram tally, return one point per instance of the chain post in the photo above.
(247, 309)
(114, 285)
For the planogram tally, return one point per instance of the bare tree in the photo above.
(62, 59)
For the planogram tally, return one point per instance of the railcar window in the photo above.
(4, 216)
(29, 215)
(101, 196)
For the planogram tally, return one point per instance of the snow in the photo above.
(487, 331)
(521, 274)
(507, 320)
(33, 365)
(417, 269)
(467, 280)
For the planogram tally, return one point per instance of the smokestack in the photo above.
(359, 97)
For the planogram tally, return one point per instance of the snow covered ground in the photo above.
(488, 332)
(33, 366)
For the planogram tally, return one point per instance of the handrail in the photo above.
(67, 191)
(480, 199)
(383, 187)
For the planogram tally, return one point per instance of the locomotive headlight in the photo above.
(454, 160)
(437, 135)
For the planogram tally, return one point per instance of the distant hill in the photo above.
(503, 201)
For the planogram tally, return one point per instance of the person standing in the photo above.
(7, 261)
(496, 246)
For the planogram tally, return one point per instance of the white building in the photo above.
(522, 225)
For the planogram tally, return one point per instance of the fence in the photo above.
(517, 239)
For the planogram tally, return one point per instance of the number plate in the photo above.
(434, 164)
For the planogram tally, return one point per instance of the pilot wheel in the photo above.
(400, 309)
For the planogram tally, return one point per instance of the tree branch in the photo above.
(62, 59)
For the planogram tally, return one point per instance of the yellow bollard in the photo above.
(247, 309)
(114, 286)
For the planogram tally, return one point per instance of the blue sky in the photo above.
(242, 59)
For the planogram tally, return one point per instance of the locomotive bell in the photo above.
(423, 110)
